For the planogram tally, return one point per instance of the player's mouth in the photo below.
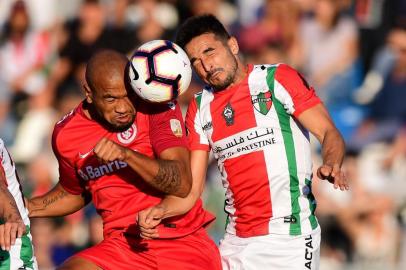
(214, 74)
(124, 118)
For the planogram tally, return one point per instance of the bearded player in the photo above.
(125, 155)
(256, 120)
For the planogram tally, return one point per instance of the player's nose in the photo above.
(122, 106)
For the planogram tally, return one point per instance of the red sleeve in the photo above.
(67, 174)
(303, 96)
(166, 128)
(196, 138)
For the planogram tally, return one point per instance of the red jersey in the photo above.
(117, 191)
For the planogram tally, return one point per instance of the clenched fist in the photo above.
(108, 151)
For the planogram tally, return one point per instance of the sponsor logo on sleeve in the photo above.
(176, 127)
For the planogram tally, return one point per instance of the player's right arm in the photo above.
(56, 202)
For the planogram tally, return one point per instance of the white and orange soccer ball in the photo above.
(160, 71)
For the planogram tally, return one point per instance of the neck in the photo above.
(240, 75)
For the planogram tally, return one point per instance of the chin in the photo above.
(122, 127)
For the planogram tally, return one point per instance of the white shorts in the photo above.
(271, 251)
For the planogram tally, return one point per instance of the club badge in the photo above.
(262, 102)
(127, 136)
(228, 114)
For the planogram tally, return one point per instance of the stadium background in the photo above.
(352, 51)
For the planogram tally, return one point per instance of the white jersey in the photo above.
(21, 255)
(263, 153)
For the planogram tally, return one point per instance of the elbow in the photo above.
(185, 187)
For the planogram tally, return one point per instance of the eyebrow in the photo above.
(208, 50)
(193, 59)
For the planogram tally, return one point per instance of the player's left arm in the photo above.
(317, 120)
(12, 225)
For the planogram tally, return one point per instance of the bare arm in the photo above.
(56, 202)
(171, 206)
(170, 173)
(318, 122)
(11, 225)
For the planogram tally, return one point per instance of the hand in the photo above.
(149, 219)
(13, 228)
(108, 151)
(334, 175)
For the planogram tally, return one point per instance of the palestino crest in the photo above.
(262, 102)
(127, 136)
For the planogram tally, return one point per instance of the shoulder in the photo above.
(63, 127)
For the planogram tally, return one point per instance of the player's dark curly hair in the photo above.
(198, 25)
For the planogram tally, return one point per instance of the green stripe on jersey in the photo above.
(312, 204)
(4, 260)
(199, 99)
(284, 122)
(26, 254)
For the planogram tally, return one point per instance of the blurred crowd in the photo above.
(352, 51)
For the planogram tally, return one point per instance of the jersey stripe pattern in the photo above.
(262, 151)
(21, 253)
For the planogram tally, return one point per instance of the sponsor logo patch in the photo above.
(176, 127)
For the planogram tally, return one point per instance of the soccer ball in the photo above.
(160, 71)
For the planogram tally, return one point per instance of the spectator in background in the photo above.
(329, 43)
(278, 26)
(154, 20)
(387, 110)
(23, 56)
(84, 35)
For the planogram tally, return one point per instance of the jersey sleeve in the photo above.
(293, 90)
(167, 128)
(67, 174)
(197, 140)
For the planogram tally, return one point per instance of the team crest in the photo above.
(262, 102)
(127, 136)
(228, 114)
(176, 127)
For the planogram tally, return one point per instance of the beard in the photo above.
(229, 78)
(121, 127)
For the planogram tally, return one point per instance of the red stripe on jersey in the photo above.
(238, 97)
(252, 198)
(303, 96)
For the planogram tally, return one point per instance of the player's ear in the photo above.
(233, 45)
(88, 93)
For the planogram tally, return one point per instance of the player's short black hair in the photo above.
(199, 25)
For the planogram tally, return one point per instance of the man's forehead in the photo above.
(201, 42)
